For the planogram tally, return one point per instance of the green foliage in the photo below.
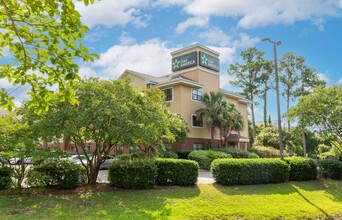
(44, 38)
(60, 173)
(249, 171)
(266, 152)
(205, 157)
(302, 169)
(5, 177)
(176, 172)
(132, 174)
(183, 154)
(167, 154)
(268, 137)
(110, 113)
(236, 153)
(322, 148)
(330, 168)
(322, 108)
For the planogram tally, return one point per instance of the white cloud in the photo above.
(86, 72)
(125, 39)
(256, 13)
(110, 13)
(194, 21)
(166, 3)
(227, 55)
(217, 36)
(224, 80)
(151, 57)
(339, 82)
(323, 76)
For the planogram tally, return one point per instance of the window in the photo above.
(168, 94)
(197, 95)
(197, 146)
(196, 122)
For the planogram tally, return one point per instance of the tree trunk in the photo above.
(253, 120)
(287, 110)
(265, 107)
(212, 137)
(304, 142)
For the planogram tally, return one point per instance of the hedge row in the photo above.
(250, 171)
(144, 174)
(5, 177)
(301, 169)
(183, 154)
(60, 173)
(266, 152)
(330, 168)
(205, 157)
(236, 153)
(176, 172)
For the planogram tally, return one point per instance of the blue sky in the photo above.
(140, 34)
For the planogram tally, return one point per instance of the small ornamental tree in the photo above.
(16, 141)
(110, 114)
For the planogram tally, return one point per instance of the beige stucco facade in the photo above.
(182, 82)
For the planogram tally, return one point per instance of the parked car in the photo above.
(16, 160)
(77, 159)
(105, 164)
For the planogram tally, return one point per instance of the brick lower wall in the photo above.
(188, 144)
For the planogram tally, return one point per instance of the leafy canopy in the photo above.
(44, 41)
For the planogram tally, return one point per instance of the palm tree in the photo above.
(232, 121)
(212, 112)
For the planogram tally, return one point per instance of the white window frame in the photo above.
(172, 91)
(196, 99)
(197, 145)
(192, 122)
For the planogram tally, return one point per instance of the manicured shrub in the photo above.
(302, 169)
(330, 168)
(132, 174)
(176, 172)
(183, 154)
(205, 157)
(136, 156)
(236, 153)
(249, 171)
(167, 154)
(60, 173)
(5, 177)
(266, 152)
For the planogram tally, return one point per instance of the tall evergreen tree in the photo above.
(248, 76)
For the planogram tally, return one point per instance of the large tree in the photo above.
(290, 68)
(248, 76)
(44, 41)
(267, 83)
(110, 114)
(322, 109)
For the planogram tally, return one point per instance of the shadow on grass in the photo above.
(332, 187)
(116, 204)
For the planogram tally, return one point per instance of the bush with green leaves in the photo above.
(205, 157)
(60, 173)
(330, 168)
(133, 174)
(5, 177)
(167, 154)
(176, 172)
(266, 152)
(236, 153)
(136, 156)
(250, 171)
(183, 154)
(302, 169)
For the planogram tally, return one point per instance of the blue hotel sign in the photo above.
(209, 61)
(184, 61)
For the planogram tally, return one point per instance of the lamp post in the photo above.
(275, 44)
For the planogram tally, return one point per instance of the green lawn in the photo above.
(312, 199)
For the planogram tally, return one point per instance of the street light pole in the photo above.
(275, 44)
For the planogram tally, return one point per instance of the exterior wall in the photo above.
(136, 81)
